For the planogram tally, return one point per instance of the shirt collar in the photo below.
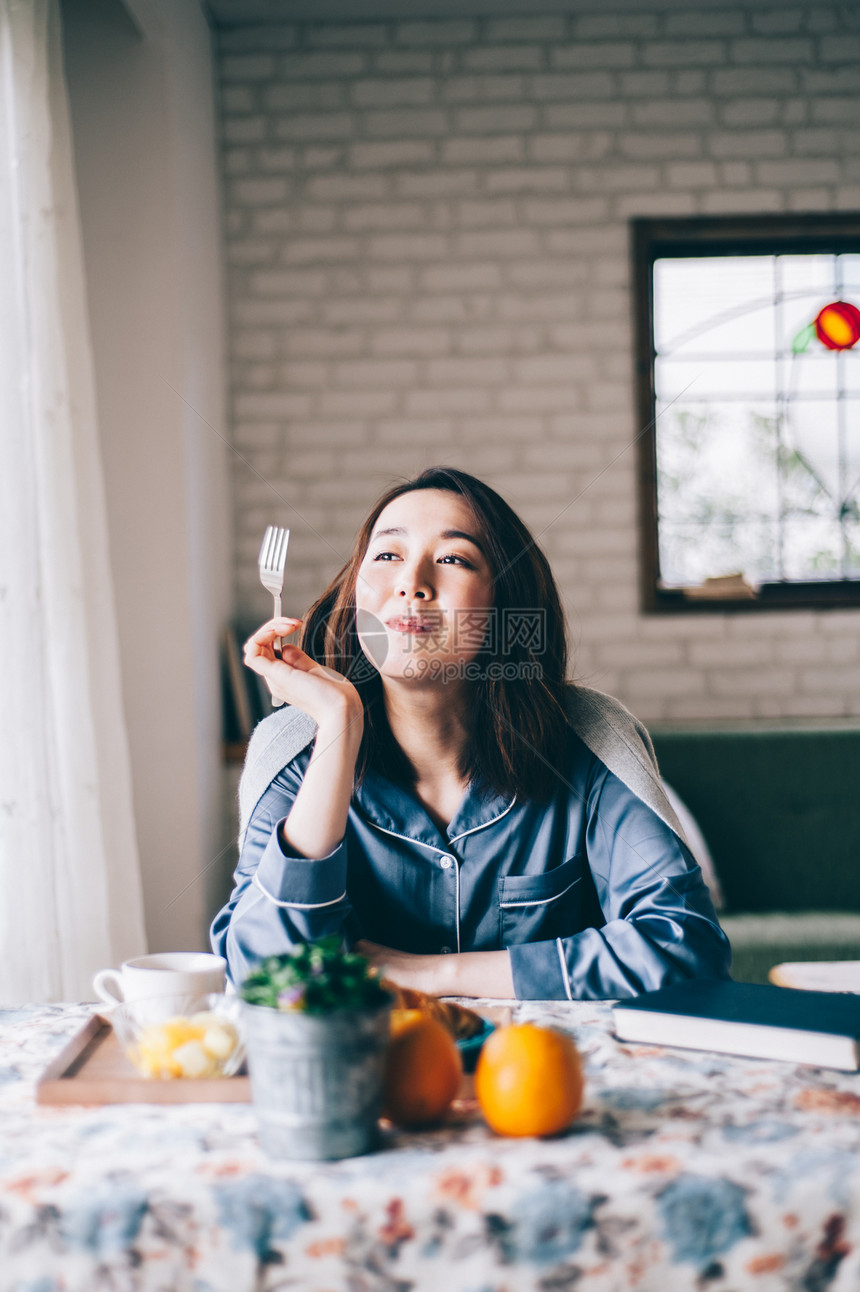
(398, 809)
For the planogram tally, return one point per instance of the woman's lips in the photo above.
(410, 625)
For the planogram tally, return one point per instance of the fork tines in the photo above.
(273, 552)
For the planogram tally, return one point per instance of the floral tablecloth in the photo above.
(686, 1170)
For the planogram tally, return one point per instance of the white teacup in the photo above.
(166, 973)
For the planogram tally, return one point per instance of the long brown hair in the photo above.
(518, 721)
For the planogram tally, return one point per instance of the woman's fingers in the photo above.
(261, 653)
(264, 659)
(296, 658)
(365, 947)
(261, 642)
(292, 676)
(404, 968)
(283, 626)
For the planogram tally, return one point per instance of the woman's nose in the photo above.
(413, 583)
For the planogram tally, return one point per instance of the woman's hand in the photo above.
(328, 697)
(424, 973)
(469, 973)
(317, 820)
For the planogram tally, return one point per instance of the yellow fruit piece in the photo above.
(194, 1061)
(220, 1040)
(153, 1057)
(173, 1032)
(185, 1047)
(529, 1080)
(157, 1044)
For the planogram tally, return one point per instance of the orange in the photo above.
(529, 1080)
(422, 1069)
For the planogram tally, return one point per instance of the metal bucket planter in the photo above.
(316, 1080)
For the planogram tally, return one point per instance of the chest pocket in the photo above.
(533, 908)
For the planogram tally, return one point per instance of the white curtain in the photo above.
(70, 891)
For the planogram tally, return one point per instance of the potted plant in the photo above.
(316, 1031)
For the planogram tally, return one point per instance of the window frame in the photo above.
(651, 240)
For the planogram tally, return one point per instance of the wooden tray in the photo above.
(92, 1069)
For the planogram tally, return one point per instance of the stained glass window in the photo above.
(752, 460)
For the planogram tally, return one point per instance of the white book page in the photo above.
(751, 1040)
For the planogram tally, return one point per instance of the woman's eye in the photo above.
(449, 557)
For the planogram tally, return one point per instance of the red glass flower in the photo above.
(838, 325)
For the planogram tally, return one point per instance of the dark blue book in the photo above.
(762, 1022)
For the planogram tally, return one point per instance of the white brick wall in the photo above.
(426, 229)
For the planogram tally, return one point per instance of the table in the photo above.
(686, 1170)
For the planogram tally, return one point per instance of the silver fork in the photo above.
(272, 559)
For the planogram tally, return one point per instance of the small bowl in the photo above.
(181, 1036)
(470, 1048)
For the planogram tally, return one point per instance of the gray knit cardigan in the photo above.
(603, 724)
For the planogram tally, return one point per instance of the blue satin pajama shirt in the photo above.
(592, 894)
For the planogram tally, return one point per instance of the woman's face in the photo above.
(424, 589)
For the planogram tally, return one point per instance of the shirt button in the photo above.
(446, 862)
(446, 951)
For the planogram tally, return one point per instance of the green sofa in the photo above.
(780, 812)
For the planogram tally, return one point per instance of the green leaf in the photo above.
(804, 338)
(327, 978)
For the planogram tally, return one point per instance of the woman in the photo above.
(441, 795)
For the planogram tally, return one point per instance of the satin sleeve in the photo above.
(278, 899)
(659, 922)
